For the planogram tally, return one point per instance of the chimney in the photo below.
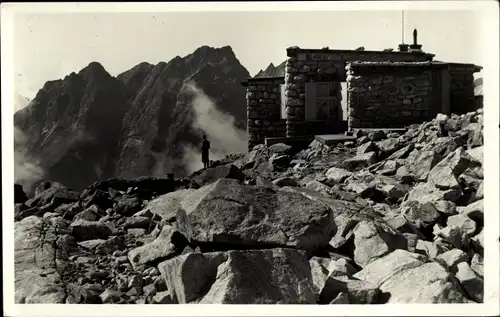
(415, 47)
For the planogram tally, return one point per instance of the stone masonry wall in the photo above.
(392, 95)
(264, 110)
(305, 65)
(462, 98)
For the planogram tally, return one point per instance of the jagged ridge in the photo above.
(91, 126)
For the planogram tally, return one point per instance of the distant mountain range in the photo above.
(272, 71)
(91, 126)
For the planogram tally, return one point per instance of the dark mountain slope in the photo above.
(72, 125)
(159, 120)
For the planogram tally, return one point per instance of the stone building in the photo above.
(385, 89)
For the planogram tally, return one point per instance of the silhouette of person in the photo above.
(204, 152)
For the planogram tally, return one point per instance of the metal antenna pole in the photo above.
(402, 26)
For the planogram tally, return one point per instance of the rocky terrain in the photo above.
(390, 218)
(126, 126)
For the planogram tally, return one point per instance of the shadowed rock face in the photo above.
(72, 126)
(91, 126)
(19, 194)
(160, 120)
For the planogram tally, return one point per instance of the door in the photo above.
(322, 101)
(310, 104)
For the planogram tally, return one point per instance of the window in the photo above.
(283, 101)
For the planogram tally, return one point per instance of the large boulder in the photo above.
(274, 276)
(166, 206)
(332, 277)
(420, 215)
(54, 193)
(426, 192)
(423, 164)
(227, 213)
(471, 282)
(476, 154)
(37, 280)
(372, 241)
(409, 279)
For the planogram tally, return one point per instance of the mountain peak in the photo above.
(205, 50)
(227, 50)
(94, 69)
(272, 70)
(94, 66)
(141, 67)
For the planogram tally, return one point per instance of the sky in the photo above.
(49, 46)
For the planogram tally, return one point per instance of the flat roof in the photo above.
(476, 67)
(410, 64)
(316, 50)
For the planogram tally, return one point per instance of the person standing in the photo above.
(205, 147)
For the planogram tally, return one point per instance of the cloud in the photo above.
(27, 171)
(218, 126)
(20, 102)
(163, 164)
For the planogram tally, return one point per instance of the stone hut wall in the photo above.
(264, 110)
(462, 98)
(394, 94)
(299, 72)
(305, 65)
